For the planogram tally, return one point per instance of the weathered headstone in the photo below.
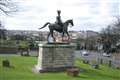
(6, 63)
(101, 61)
(110, 63)
(73, 72)
(96, 66)
(86, 61)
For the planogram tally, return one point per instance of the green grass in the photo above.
(21, 69)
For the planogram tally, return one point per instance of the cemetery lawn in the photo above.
(21, 69)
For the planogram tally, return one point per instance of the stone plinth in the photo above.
(55, 57)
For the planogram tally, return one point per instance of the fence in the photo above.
(111, 62)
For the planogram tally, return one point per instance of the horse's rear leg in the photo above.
(68, 36)
(53, 37)
(51, 33)
(48, 37)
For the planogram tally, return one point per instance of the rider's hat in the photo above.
(58, 11)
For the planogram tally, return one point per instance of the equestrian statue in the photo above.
(58, 26)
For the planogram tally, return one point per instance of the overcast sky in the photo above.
(86, 14)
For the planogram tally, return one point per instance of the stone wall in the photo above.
(6, 50)
(55, 56)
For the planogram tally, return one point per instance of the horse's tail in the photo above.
(45, 25)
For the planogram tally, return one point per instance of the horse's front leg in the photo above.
(62, 36)
(54, 38)
(68, 36)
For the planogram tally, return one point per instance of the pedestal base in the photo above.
(55, 57)
(36, 69)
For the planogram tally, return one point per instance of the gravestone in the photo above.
(96, 66)
(110, 63)
(6, 63)
(73, 72)
(86, 61)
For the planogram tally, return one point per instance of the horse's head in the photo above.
(70, 21)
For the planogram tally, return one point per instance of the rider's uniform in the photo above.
(58, 19)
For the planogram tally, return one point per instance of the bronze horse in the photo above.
(61, 29)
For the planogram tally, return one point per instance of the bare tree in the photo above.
(110, 36)
(7, 6)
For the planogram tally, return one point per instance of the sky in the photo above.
(86, 14)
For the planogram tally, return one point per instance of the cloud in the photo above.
(86, 14)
